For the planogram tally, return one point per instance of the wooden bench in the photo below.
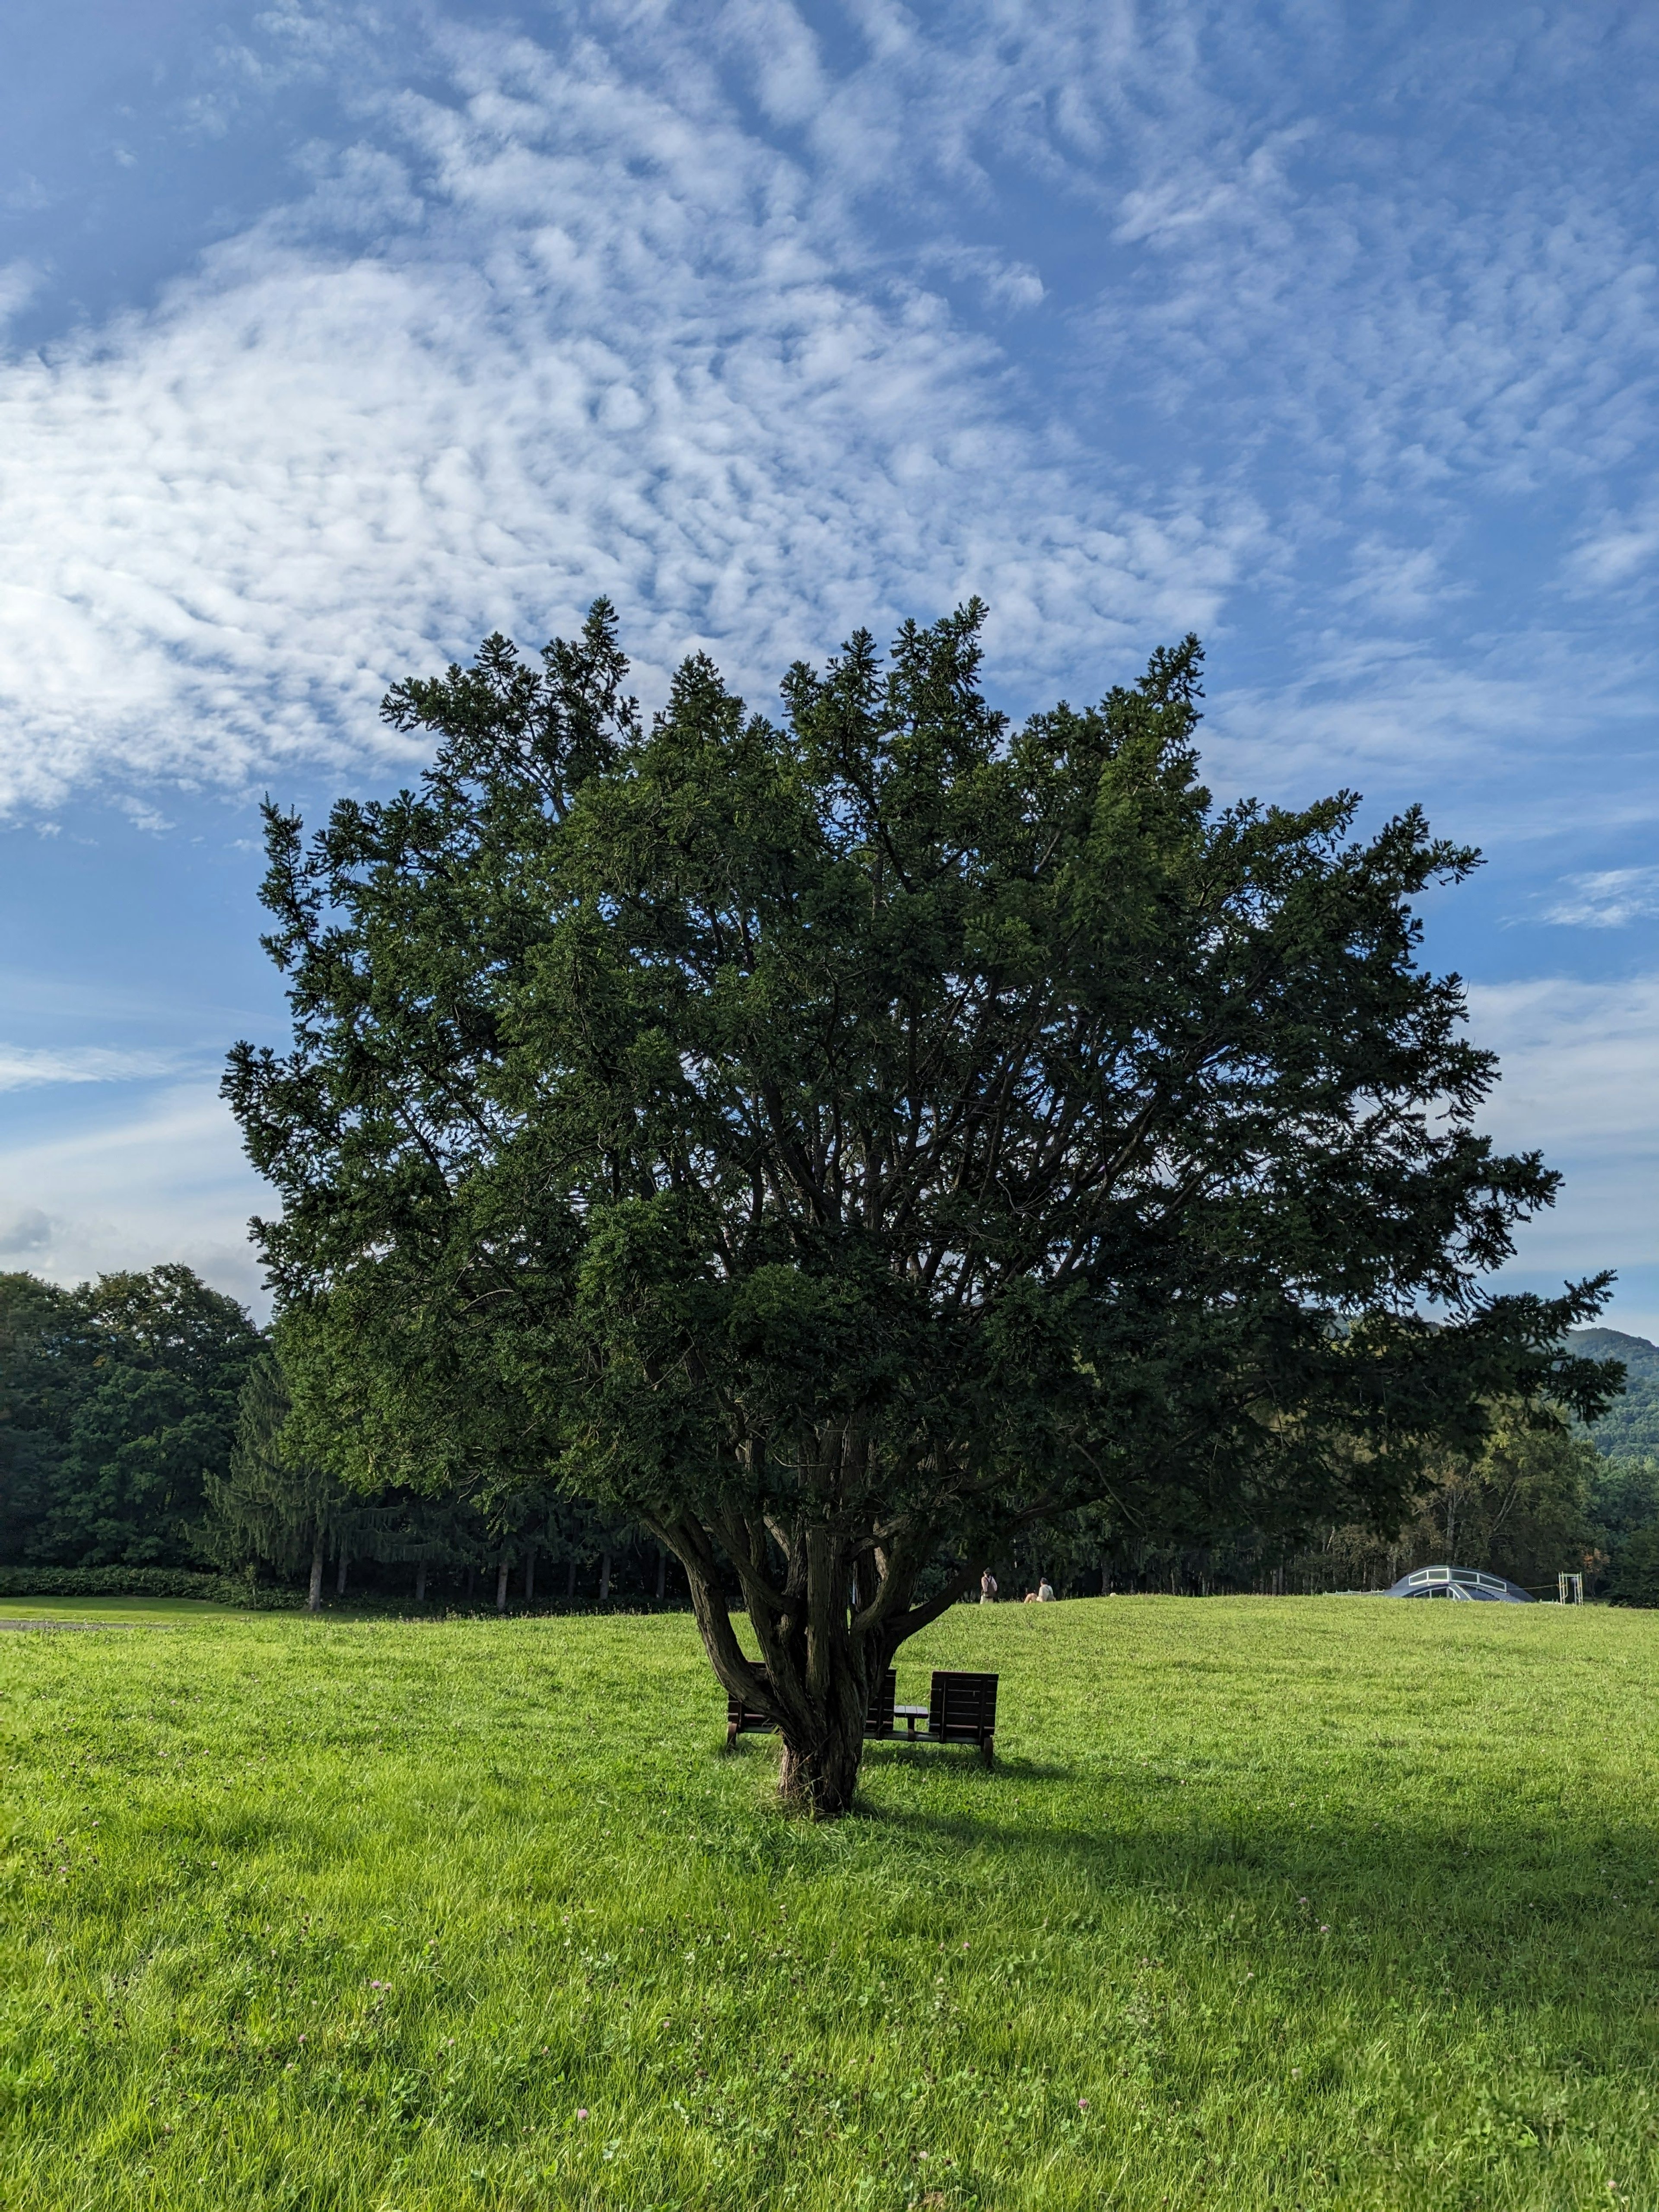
(960, 1708)
(744, 1719)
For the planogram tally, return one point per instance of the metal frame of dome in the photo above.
(1459, 1582)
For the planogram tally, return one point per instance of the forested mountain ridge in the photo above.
(1630, 1427)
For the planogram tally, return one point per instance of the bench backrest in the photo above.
(962, 1708)
(878, 1720)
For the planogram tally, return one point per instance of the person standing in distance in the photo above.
(987, 1588)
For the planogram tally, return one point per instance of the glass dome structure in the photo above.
(1459, 1582)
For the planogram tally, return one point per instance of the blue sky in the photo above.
(333, 335)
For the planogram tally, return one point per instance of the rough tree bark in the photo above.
(314, 1595)
(500, 1584)
(822, 1658)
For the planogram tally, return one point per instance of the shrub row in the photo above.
(139, 1582)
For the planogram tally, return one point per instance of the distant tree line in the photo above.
(1532, 1505)
(143, 1426)
(142, 1421)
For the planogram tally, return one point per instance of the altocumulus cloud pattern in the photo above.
(562, 325)
(764, 319)
(339, 334)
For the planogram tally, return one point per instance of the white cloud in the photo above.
(1616, 548)
(1608, 899)
(143, 817)
(19, 281)
(650, 308)
(26, 1229)
(24, 1066)
(1010, 285)
(610, 344)
(1481, 730)
(1580, 1065)
(167, 1182)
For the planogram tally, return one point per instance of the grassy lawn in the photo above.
(1310, 1902)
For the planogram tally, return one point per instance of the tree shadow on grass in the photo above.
(895, 1754)
(1488, 1907)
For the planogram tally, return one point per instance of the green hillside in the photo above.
(1318, 1903)
(1631, 1427)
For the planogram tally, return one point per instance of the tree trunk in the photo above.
(314, 1595)
(820, 1658)
(605, 1577)
(570, 1578)
(821, 1777)
(662, 1572)
(420, 1583)
(339, 1580)
(530, 1574)
(500, 1585)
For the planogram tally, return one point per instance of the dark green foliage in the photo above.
(138, 1582)
(120, 1400)
(1635, 1576)
(1624, 1497)
(41, 1378)
(1521, 1508)
(1629, 1429)
(1625, 1484)
(841, 1140)
(273, 1507)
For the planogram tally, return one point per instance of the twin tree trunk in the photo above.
(827, 1632)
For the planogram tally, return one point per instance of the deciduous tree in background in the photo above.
(273, 1504)
(117, 1400)
(838, 1139)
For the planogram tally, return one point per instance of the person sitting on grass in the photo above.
(1043, 1594)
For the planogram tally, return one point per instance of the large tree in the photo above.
(849, 1139)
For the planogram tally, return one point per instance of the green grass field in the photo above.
(1309, 1903)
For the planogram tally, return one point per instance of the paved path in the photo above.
(60, 1624)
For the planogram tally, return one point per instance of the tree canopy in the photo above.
(117, 1400)
(847, 1138)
